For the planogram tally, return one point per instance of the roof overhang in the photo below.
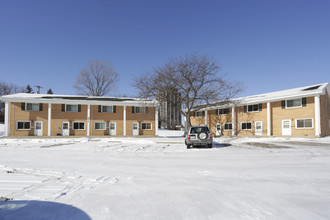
(38, 98)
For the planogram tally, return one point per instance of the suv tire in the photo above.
(209, 145)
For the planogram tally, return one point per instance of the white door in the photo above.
(112, 128)
(286, 127)
(135, 128)
(258, 128)
(38, 128)
(65, 128)
(218, 129)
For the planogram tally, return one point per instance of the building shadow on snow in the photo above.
(220, 145)
(40, 210)
(214, 145)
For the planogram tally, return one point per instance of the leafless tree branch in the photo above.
(97, 79)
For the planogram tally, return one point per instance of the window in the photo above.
(23, 125)
(78, 126)
(108, 109)
(139, 110)
(71, 108)
(254, 108)
(304, 123)
(228, 126)
(223, 111)
(199, 114)
(294, 103)
(197, 130)
(246, 126)
(112, 125)
(146, 126)
(99, 125)
(32, 106)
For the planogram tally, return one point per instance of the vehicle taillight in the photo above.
(211, 136)
(188, 137)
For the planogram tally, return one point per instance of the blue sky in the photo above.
(267, 45)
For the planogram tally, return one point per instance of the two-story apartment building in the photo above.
(303, 111)
(64, 115)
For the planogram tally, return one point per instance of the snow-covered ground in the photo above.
(158, 178)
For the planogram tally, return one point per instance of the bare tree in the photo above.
(97, 79)
(195, 80)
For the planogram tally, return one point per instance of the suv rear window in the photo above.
(197, 130)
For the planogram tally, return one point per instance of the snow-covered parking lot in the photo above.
(158, 178)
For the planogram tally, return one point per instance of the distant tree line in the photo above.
(10, 88)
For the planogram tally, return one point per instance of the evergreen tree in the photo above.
(50, 91)
(29, 89)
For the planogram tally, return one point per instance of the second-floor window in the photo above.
(139, 110)
(254, 108)
(223, 111)
(31, 106)
(294, 103)
(199, 114)
(108, 108)
(71, 108)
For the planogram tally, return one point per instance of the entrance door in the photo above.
(286, 127)
(38, 128)
(218, 129)
(112, 128)
(258, 128)
(65, 128)
(135, 128)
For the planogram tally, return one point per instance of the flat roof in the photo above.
(76, 99)
(299, 92)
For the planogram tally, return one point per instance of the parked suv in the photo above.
(199, 135)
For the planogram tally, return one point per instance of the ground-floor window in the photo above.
(78, 125)
(99, 125)
(228, 126)
(146, 125)
(23, 125)
(246, 126)
(304, 123)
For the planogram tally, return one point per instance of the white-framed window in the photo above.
(32, 106)
(223, 111)
(107, 108)
(253, 108)
(112, 125)
(71, 108)
(199, 114)
(146, 126)
(99, 126)
(228, 126)
(305, 123)
(293, 103)
(139, 110)
(246, 126)
(76, 125)
(23, 125)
